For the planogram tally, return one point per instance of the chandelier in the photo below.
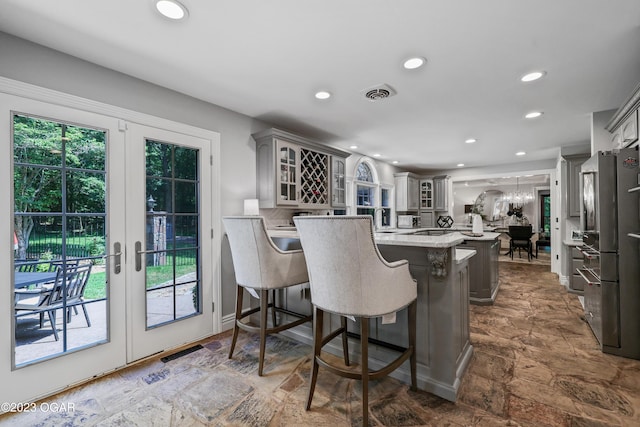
(518, 198)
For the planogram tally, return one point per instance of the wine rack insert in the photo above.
(314, 177)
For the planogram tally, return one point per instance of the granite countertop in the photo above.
(403, 237)
(464, 254)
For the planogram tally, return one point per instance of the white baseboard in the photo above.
(227, 321)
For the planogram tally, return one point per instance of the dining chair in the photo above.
(260, 266)
(544, 240)
(349, 277)
(521, 239)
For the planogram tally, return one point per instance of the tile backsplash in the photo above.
(278, 217)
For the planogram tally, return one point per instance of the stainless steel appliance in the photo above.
(611, 258)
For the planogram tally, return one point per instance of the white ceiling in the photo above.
(266, 59)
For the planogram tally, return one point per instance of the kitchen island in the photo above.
(442, 274)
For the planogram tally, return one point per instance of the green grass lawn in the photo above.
(96, 286)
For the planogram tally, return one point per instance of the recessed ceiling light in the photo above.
(377, 155)
(520, 153)
(353, 147)
(323, 94)
(471, 140)
(530, 77)
(171, 9)
(460, 165)
(533, 114)
(413, 63)
(395, 162)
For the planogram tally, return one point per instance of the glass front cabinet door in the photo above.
(426, 194)
(288, 172)
(338, 198)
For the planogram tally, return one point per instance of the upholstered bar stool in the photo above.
(261, 266)
(349, 277)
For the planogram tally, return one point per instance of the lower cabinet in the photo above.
(483, 270)
(427, 219)
(576, 282)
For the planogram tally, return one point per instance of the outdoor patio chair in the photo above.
(25, 265)
(72, 284)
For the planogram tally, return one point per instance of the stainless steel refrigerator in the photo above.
(611, 258)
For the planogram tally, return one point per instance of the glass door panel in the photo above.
(173, 276)
(59, 171)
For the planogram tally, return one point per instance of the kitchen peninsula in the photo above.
(442, 274)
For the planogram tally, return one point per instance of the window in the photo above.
(385, 205)
(364, 173)
(371, 198)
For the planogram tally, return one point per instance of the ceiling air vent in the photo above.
(378, 92)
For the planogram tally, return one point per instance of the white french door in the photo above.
(169, 223)
(130, 204)
(40, 161)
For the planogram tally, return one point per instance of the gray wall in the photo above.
(31, 63)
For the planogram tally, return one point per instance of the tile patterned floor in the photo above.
(535, 363)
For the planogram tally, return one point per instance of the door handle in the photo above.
(139, 253)
(117, 255)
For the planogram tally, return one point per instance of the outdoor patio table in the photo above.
(22, 280)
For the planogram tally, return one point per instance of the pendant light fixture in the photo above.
(518, 198)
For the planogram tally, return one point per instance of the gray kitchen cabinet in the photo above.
(295, 172)
(406, 192)
(427, 219)
(576, 282)
(573, 183)
(483, 270)
(624, 123)
(440, 191)
(427, 215)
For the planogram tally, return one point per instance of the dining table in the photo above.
(25, 279)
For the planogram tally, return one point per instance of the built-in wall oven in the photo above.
(610, 268)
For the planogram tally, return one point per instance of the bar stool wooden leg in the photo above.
(239, 295)
(345, 342)
(318, 319)
(273, 307)
(364, 365)
(264, 306)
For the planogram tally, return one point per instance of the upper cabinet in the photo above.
(573, 183)
(440, 184)
(624, 124)
(293, 171)
(426, 195)
(406, 191)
